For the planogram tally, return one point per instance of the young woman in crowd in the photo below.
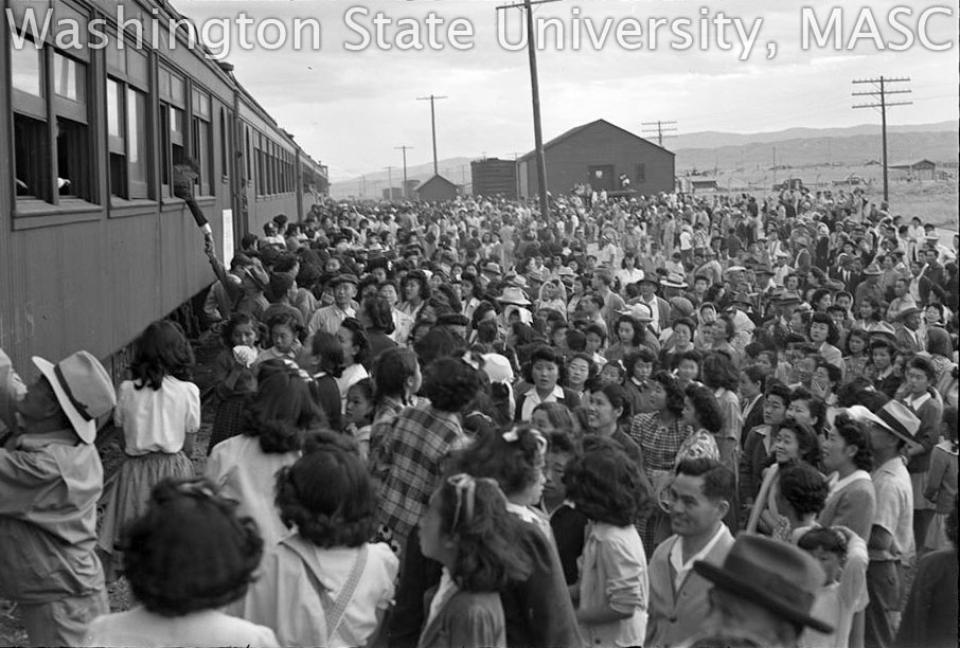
(159, 413)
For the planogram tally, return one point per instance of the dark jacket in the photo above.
(538, 611)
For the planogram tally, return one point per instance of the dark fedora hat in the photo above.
(772, 574)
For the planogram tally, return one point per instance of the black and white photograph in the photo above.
(479, 323)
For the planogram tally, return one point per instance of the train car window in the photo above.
(261, 171)
(172, 124)
(51, 124)
(69, 78)
(32, 153)
(27, 66)
(201, 141)
(224, 144)
(249, 154)
(127, 120)
(116, 138)
(137, 130)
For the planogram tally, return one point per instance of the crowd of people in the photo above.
(656, 421)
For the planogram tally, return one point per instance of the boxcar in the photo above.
(94, 245)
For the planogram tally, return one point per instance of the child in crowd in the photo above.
(285, 343)
(359, 414)
(843, 556)
(185, 558)
(468, 529)
(159, 413)
(234, 374)
(325, 584)
(356, 350)
(606, 486)
(327, 367)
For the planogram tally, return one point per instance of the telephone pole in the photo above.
(390, 183)
(661, 129)
(535, 92)
(404, 148)
(880, 92)
(433, 126)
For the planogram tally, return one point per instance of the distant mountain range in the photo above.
(939, 147)
(715, 139)
(708, 150)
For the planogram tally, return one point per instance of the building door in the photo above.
(601, 177)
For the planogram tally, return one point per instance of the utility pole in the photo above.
(433, 126)
(880, 92)
(404, 148)
(535, 93)
(661, 128)
(390, 183)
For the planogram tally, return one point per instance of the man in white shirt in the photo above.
(697, 501)
(330, 317)
(891, 537)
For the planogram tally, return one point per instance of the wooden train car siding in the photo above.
(93, 274)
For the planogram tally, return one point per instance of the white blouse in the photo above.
(157, 420)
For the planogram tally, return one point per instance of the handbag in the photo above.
(333, 610)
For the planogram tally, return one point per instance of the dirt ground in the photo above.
(108, 442)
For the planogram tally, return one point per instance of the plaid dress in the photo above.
(411, 459)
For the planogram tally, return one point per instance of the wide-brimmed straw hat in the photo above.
(513, 295)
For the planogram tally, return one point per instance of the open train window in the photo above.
(52, 147)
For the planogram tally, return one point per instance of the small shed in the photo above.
(918, 170)
(437, 189)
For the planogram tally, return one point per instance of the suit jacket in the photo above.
(752, 419)
(677, 615)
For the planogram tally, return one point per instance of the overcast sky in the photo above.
(350, 109)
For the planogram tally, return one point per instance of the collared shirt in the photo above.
(837, 485)
(894, 510)
(682, 568)
(532, 399)
(420, 438)
(916, 402)
(329, 318)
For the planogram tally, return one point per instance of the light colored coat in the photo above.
(284, 599)
(675, 616)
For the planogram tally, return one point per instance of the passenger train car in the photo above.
(94, 244)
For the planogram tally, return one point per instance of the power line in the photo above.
(661, 129)
(881, 91)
